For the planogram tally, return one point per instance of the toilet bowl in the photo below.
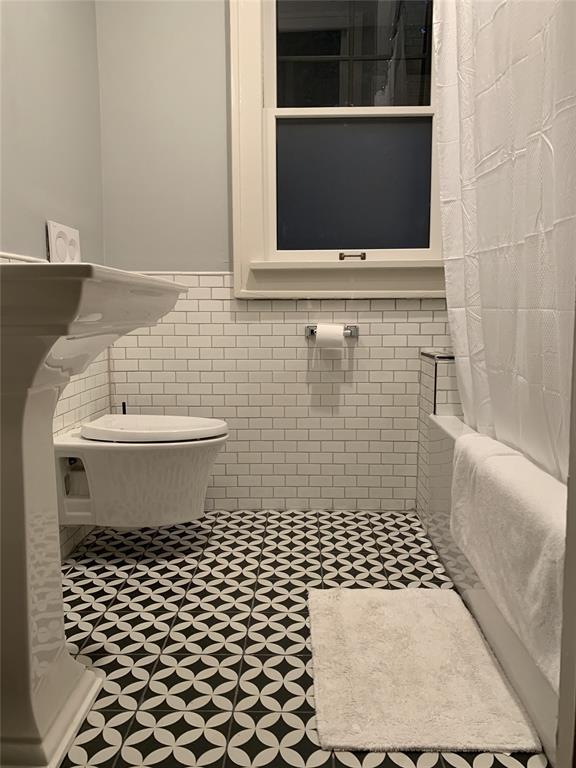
(131, 471)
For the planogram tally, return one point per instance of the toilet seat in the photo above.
(146, 428)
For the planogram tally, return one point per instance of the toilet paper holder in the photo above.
(350, 331)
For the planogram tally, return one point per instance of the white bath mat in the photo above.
(408, 669)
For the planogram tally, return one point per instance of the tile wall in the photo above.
(307, 429)
(86, 397)
(439, 395)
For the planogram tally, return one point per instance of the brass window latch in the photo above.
(343, 255)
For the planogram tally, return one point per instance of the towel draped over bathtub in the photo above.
(509, 519)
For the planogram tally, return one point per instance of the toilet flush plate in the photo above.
(63, 243)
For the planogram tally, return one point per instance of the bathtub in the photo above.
(533, 689)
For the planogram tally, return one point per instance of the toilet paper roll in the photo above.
(329, 336)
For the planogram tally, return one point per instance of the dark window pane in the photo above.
(321, 43)
(389, 83)
(390, 27)
(312, 83)
(353, 184)
(389, 37)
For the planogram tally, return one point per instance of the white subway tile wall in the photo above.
(86, 397)
(438, 394)
(307, 428)
(447, 395)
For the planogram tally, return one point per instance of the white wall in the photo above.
(163, 82)
(114, 120)
(50, 138)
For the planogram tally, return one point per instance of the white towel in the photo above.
(509, 519)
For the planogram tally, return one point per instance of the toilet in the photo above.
(131, 471)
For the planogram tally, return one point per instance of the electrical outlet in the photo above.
(63, 243)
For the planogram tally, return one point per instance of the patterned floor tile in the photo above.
(425, 582)
(202, 633)
(307, 535)
(412, 564)
(129, 632)
(234, 543)
(98, 742)
(270, 579)
(279, 739)
(276, 684)
(280, 568)
(243, 517)
(87, 595)
(250, 524)
(307, 541)
(125, 679)
(369, 760)
(146, 592)
(174, 739)
(341, 530)
(163, 566)
(113, 549)
(237, 568)
(383, 760)
(489, 760)
(294, 518)
(278, 634)
(113, 571)
(208, 633)
(343, 572)
(292, 547)
(136, 538)
(193, 683)
(218, 596)
(284, 598)
(79, 628)
(179, 540)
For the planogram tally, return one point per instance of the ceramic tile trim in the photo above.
(438, 394)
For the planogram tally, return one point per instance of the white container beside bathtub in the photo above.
(132, 471)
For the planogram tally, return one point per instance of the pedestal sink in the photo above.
(56, 318)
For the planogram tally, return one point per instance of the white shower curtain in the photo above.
(506, 129)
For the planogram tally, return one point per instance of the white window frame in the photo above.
(260, 270)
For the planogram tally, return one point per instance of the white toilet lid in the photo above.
(142, 428)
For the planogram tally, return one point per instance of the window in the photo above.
(334, 184)
(350, 53)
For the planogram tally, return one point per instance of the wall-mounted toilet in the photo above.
(131, 471)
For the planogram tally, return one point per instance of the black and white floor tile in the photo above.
(201, 634)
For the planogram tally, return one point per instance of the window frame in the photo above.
(260, 269)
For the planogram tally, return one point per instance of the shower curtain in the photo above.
(506, 130)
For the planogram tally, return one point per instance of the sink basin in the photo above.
(55, 319)
(86, 306)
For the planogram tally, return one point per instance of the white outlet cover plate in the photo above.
(63, 243)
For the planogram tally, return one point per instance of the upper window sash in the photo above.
(260, 268)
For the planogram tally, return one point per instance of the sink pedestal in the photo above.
(46, 337)
(45, 693)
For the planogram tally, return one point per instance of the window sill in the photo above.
(344, 279)
(266, 265)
